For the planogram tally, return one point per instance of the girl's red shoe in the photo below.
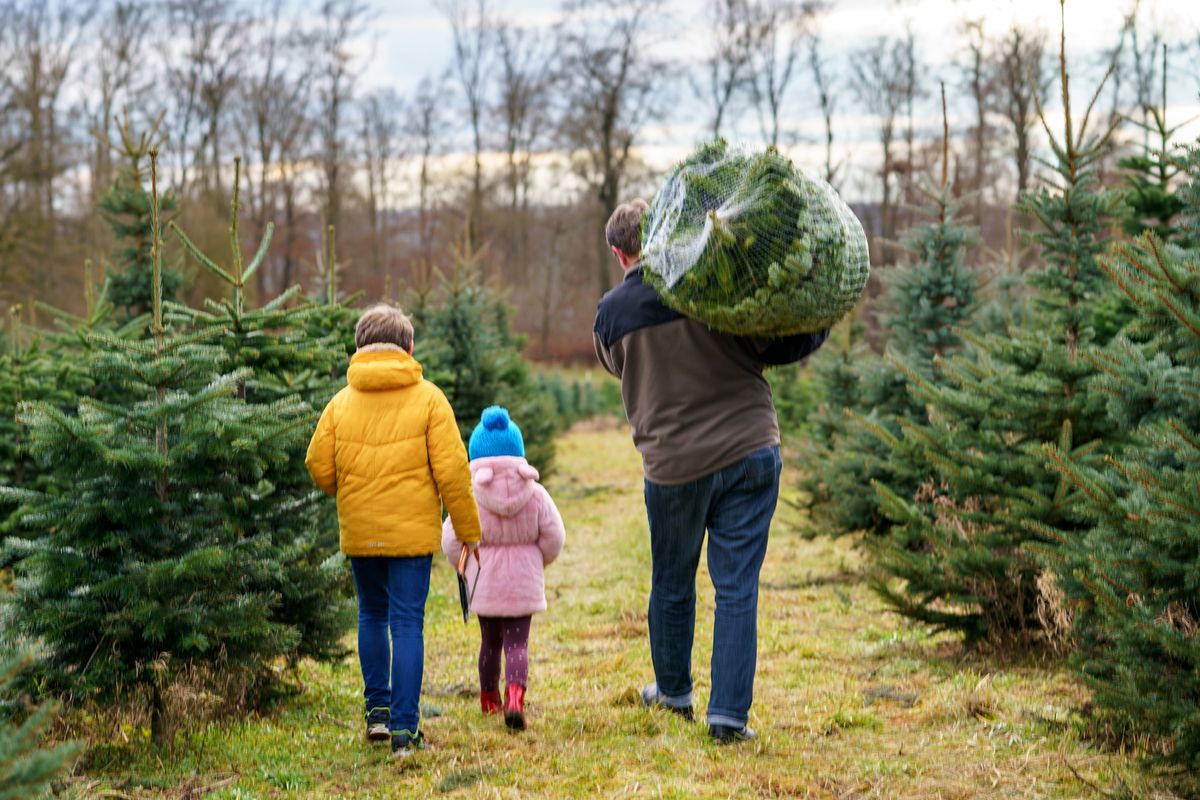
(514, 707)
(490, 701)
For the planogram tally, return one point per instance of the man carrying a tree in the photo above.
(702, 417)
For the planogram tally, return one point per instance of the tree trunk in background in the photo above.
(612, 87)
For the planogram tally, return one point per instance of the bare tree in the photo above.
(822, 80)
(1021, 69)
(554, 228)
(340, 23)
(727, 67)
(470, 25)
(1144, 52)
(116, 64)
(979, 81)
(208, 75)
(878, 82)
(908, 82)
(523, 107)
(426, 127)
(381, 114)
(276, 95)
(612, 86)
(39, 41)
(778, 32)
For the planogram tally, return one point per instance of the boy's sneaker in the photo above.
(377, 725)
(651, 698)
(727, 734)
(406, 742)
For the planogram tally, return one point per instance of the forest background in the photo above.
(520, 125)
(1001, 439)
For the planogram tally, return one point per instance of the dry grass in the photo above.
(851, 702)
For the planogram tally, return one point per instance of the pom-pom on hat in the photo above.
(495, 435)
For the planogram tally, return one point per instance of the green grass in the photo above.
(850, 701)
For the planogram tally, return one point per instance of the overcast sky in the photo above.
(411, 39)
(415, 38)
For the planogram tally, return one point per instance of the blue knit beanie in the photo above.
(495, 435)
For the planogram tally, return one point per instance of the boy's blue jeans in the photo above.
(391, 597)
(735, 504)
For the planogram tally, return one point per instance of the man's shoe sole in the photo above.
(378, 733)
(724, 735)
(515, 720)
(685, 711)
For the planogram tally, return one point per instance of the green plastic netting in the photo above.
(748, 244)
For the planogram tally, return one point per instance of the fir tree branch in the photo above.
(204, 260)
(261, 255)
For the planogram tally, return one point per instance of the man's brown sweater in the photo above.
(697, 400)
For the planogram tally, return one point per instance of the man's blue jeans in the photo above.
(391, 597)
(735, 504)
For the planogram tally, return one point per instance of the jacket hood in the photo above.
(383, 370)
(503, 484)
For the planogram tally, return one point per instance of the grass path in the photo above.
(850, 702)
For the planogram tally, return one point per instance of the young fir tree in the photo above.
(158, 560)
(282, 360)
(1150, 176)
(1150, 199)
(834, 507)
(465, 345)
(26, 769)
(127, 208)
(958, 556)
(29, 371)
(1133, 576)
(929, 298)
(335, 314)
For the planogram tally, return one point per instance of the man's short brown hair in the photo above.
(384, 324)
(624, 228)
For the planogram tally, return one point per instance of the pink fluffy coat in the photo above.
(522, 533)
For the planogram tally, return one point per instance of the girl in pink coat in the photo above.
(522, 533)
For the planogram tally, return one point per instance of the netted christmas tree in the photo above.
(747, 244)
(126, 207)
(160, 561)
(957, 556)
(465, 345)
(928, 299)
(283, 360)
(1132, 577)
(26, 768)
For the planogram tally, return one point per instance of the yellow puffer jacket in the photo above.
(388, 448)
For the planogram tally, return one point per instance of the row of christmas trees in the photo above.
(1036, 460)
(156, 517)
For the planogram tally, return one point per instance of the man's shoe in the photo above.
(377, 724)
(406, 742)
(651, 698)
(490, 701)
(726, 734)
(514, 707)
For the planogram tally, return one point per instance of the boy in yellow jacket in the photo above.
(388, 448)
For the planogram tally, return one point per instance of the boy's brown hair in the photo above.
(624, 228)
(384, 324)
